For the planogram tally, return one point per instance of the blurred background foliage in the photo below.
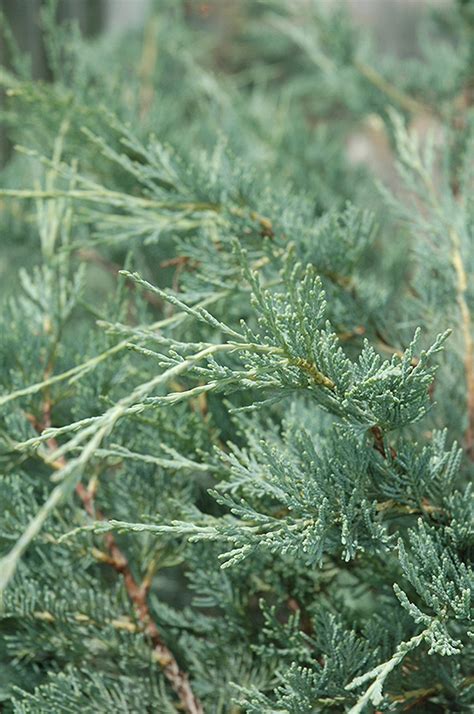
(188, 70)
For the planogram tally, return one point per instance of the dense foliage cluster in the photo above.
(237, 366)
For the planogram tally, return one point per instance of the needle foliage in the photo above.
(237, 366)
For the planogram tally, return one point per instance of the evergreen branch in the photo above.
(198, 312)
(96, 193)
(138, 595)
(272, 453)
(412, 162)
(147, 66)
(101, 427)
(174, 528)
(77, 372)
(105, 196)
(401, 98)
(467, 331)
(177, 462)
(326, 64)
(9, 562)
(81, 369)
(374, 695)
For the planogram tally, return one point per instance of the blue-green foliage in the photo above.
(237, 393)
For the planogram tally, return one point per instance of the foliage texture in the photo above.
(237, 366)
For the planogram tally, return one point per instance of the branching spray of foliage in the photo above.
(237, 369)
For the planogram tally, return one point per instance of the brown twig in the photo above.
(137, 593)
(379, 444)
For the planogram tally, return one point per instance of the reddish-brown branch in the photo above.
(379, 443)
(137, 593)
